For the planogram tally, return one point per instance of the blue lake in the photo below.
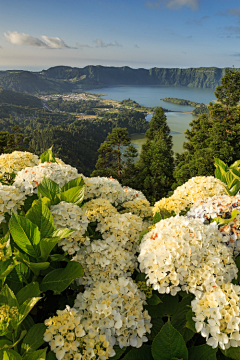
(151, 95)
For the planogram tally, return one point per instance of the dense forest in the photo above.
(75, 141)
(62, 79)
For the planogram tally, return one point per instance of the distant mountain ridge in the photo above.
(60, 79)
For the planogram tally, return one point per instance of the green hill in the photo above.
(62, 79)
(19, 99)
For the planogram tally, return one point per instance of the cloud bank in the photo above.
(16, 38)
(101, 44)
(174, 4)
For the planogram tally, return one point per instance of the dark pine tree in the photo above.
(217, 135)
(156, 162)
(116, 157)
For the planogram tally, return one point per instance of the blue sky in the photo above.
(36, 35)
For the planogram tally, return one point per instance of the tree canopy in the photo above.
(215, 135)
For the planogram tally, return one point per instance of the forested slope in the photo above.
(75, 141)
(60, 79)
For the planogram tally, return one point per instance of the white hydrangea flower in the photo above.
(17, 161)
(98, 209)
(217, 315)
(65, 333)
(184, 254)
(114, 309)
(114, 255)
(105, 188)
(132, 194)
(29, 178)
(220, 206)
(138, 207)
(194, 189)
(11, 199)
(71, 216)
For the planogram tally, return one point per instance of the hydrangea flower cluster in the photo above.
(98, 209)
(138, 207)
(65, 334)
(7, 314)
(68, 215)
(29, 178)
(109, 189)
(11, 199)
(132, 194)
(17, 161)
(184, 254)
(103, 187)
(194, 189)
(220, 206)
(114, 255)
(107, 313)
(217, 316)
(115, 309)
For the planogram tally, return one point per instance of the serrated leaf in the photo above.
(6, 267)
(157, 217)
(235, 164)
(155, 310)
(233, 353)
(47, 156)
(190, 324)
(36, 355)
(220, 163)
(11, 355)
(205, 352)
(142, 353)
(41, 216)
(59, 279)
(36, 267)
(7, 297)
(25, 234)
(51, 356)
(169, 304)
(157, 324)
(46, 246)
(29, 291)
(34, 338)
(62, 233)
(154, 300)
(179, 319)
(26, 307)
(48, 188)
(27, 323)
(29, 201)
(168, 344)
(74, 195)
(72, 183)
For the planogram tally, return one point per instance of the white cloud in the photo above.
(54, 42)
(174, 4)
(101, 44)
(16, 38)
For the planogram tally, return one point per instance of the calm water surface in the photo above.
(151, 95)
